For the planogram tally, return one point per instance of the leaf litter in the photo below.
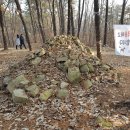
(86, 102)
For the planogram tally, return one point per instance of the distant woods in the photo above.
(39, 20)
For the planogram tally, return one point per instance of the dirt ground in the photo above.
(121, 63)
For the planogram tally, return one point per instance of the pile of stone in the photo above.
(49, 73)
(59, 83)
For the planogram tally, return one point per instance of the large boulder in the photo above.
(13, 84)
(74, 74)
(19, 96)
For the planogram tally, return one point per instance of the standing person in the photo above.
(17, 41)
(22, 42)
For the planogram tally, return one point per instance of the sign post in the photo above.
(122, 40)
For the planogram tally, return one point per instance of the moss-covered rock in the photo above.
(74, 74)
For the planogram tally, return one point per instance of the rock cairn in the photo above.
(64, 78)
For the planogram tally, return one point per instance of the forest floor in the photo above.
(121, 63)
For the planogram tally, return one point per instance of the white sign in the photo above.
(122, 39)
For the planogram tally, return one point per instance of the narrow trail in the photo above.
(122, 64)
(10, 57)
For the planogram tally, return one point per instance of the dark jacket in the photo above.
(21, 40)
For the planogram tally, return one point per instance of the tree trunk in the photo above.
(32, 22)
(24, 25)
(2, 28)
(39, 22)
(72, 22)
(85, 20)
(97, 27)
(123, 11)
(7, 32)
(80, 18)
(106, 20)
(69, 17)
(53, 18)
(62, 19)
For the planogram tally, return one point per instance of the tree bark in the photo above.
(72, 22)
(80, 17)
(2, 28)
(53, 18)
(97, 27)
(7, 32)
(106, 20)
(69, 17)
(62, 19)
(123, 11)
(39, 22)
(32, 22)
(24, 25)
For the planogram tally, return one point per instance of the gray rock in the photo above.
(62, 93)
(84, 68)
(40, 77)
(87, 84)
(105, 67)
(61, 59)
(64, 84)
(25, 129)
(33, 90)
(74, 74)
(15, 83)
(19, 96)
(36, 61)
(42, 52)
(91, 68)
(6, 80)
(46, 95)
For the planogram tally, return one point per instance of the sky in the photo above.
(119, 1)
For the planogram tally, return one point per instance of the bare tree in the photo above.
(80, 17)
(97, 27)
(62, 19)
(32, 22)
(123, 11)
(39, 22)
(24, 25)
(69, 17)
(106, 22)
(53, 18)
(2, 27)
(72, 22)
